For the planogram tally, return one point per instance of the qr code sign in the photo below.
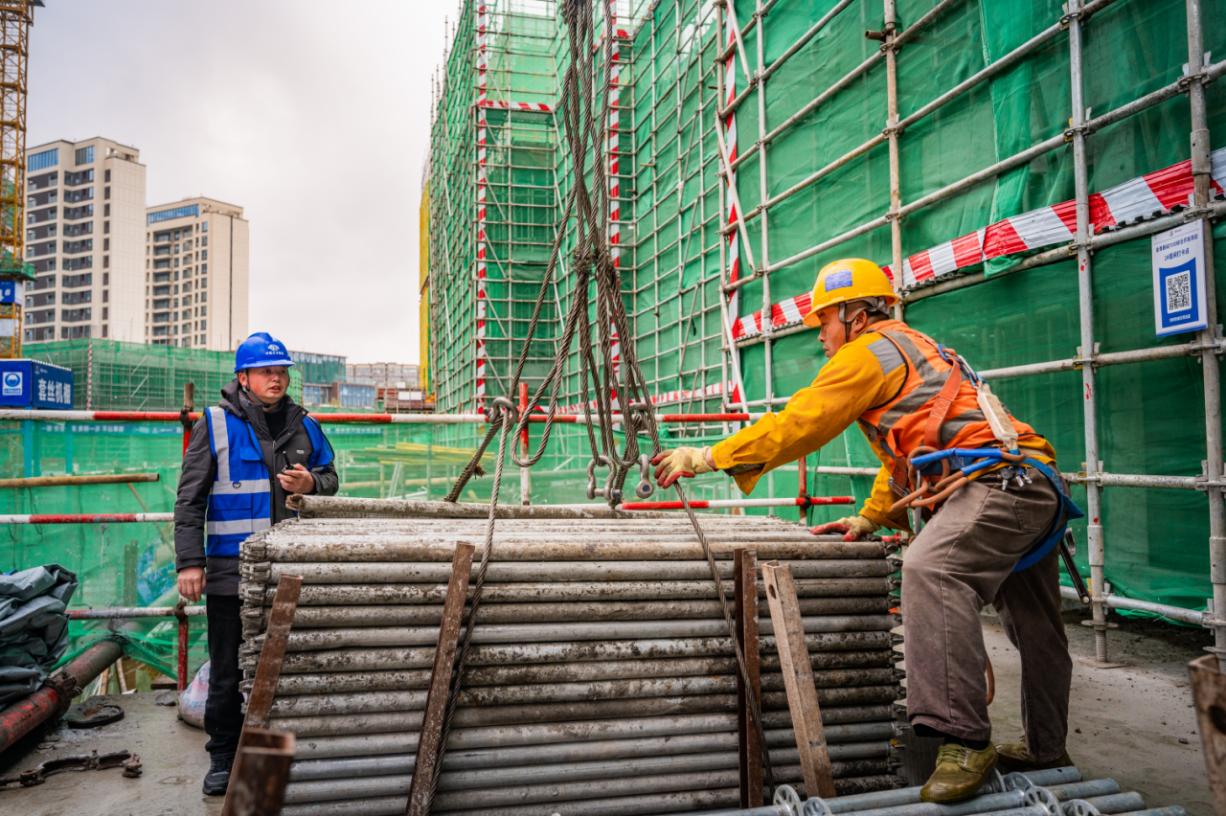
(1179, 292)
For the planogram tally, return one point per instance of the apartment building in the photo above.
(85, 212)
(384, 375)
(196, 274)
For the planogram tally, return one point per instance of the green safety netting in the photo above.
(1150, 415)
(132, 564)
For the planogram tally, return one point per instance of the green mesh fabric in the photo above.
(674, 248)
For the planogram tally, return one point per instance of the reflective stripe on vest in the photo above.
(240, 501)
(898, 426)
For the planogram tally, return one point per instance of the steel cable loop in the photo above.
(593, 264)
(501, 408)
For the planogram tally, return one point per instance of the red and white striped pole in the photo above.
(718, 504)
(698, 504)
(85, 518)
(482, 199)
(50, 415)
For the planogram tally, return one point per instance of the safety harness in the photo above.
(933, 475)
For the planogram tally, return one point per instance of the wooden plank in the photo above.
(267, 671)
(1209, 692)
(798, 680)
(429, 746)
(748, 745)
(261, 772)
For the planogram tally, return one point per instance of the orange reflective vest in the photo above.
(936, 406)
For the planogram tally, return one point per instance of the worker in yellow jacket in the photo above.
(989, 537)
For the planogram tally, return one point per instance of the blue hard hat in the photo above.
(259, 350)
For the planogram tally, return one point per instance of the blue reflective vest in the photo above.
(240, 501)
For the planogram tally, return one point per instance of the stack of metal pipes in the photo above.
(601, 679)
(1053, 792)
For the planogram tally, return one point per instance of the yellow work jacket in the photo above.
(888, 379)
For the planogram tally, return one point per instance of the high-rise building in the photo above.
(196, 274)
(384, 375)
(85, 210)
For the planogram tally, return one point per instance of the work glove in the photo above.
(672, 465)
(852, 527)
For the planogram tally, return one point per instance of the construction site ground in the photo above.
(1134, 723)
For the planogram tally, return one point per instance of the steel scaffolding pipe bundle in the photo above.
(1053, 792)
(601, 679)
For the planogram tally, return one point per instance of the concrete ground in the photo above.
(171, 752)
(1134, 723)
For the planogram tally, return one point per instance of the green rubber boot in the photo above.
(1015, 757)
(959, 774)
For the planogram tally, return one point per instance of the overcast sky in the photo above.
(313, 116)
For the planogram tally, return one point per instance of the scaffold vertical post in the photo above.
(1085, 300)
(1211, 373)
(889, 32)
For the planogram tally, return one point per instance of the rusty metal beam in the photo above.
(261, 772)
(430, 746)
(749, 749)
(268, 671)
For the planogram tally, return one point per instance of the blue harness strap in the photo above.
(973, 460)
(1068, 511)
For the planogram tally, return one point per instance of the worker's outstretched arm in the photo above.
(874, 514)
(849, 384)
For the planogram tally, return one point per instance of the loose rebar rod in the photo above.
(615, 806)
(351, 713)
(627, 545)
(352, 660)
(410, 614)
(546, 774)
(831, 674)
(505, 572)
(374, 636)
(79, 479)
(839, 686)
(489, 728)
(129, 612)
(577, 591)
(337, 789)
(685, 740)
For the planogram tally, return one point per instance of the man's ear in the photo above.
(242, 378)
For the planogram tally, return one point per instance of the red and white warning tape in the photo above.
(530, 107)
(1137, 199)
(671, 397)
(729, 126)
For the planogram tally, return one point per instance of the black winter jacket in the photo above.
(291, 447)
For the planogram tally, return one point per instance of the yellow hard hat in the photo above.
(845, 280)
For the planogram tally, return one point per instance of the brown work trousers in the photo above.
(962, 560)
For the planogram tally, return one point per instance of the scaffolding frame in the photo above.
(1208, 345)
(490, 226)
(695, 65)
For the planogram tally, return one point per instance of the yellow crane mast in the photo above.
(16, 16)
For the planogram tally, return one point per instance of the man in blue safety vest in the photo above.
(247, 454)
